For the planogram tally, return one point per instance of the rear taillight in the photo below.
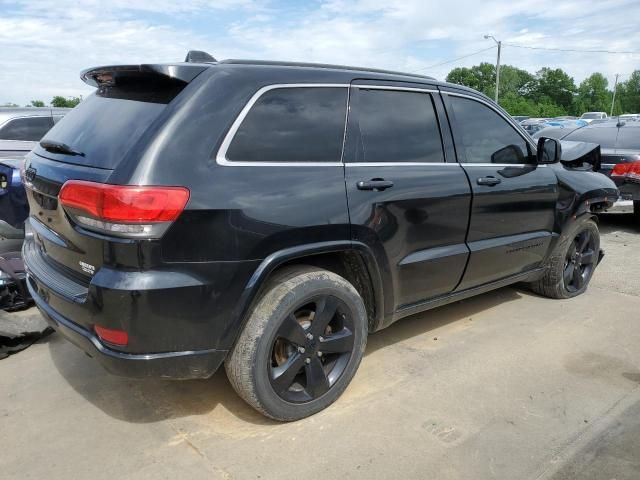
(125, 210)
(112, 336)
(628, 170)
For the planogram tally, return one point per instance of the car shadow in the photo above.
(615, 222)
(155, 400)
(425, 322)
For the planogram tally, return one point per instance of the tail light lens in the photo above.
(125, 210)
(112, 336)
(628, 170)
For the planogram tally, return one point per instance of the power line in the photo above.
(571, 50)
(455, 59)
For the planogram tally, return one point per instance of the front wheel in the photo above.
(301, 346)
(572, 264)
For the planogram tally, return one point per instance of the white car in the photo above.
(591, 116)
(22, 128)
(629, 117)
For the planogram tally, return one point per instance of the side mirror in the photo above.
(549, 150)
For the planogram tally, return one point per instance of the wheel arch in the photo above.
(352, 260)
(581, 195)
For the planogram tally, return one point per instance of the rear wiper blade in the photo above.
(59, 147)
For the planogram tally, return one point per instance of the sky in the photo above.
(44, 44)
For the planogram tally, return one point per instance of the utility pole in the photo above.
(499, 43)
(615, 87)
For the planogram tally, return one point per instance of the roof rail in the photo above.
(198, 56)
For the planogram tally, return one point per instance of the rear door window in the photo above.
(29, 129)
(484, 136)
(302, 124)
(397, 126)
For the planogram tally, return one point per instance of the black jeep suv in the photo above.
(269, 216)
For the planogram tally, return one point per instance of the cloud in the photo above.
(45, 43)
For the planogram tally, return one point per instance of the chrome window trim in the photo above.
(391, 87)
(221, 156)
(406, 164)
(471, 164)
(436, 164)
(510, 121)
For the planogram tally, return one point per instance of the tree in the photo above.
(593, 95)
(628, 94)
(550, 92)
(520, 105)
(59, 101)
(37, 103)
(479, 77)
(554, 85)
(515, 81)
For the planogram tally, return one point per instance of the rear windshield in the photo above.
(604, 136)
(104, 129)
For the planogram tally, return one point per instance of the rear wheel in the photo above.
(572, 264)
(636, 210)
(301, 346)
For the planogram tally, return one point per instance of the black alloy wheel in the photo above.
(311, 350)
(301, 345)
(580, 261)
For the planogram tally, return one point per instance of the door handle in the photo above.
(376, 184)
(489, 181)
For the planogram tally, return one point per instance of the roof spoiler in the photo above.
(198, 56)
(108, 76)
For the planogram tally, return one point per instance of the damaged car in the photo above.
(14, 210)
(619, 141)
(268, 216)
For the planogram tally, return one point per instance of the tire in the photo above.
(563, 268)
(636, 211)
(275, 343)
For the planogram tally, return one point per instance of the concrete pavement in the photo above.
(507, 385)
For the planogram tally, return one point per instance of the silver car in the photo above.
(22, 128)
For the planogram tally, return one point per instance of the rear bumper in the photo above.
(173, 365)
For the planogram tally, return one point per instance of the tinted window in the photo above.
(604, 136)
(486, 137)
(29, 128)
(104, 129)
(293, 125)
(397, 126)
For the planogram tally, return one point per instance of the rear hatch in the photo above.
(107, 130)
